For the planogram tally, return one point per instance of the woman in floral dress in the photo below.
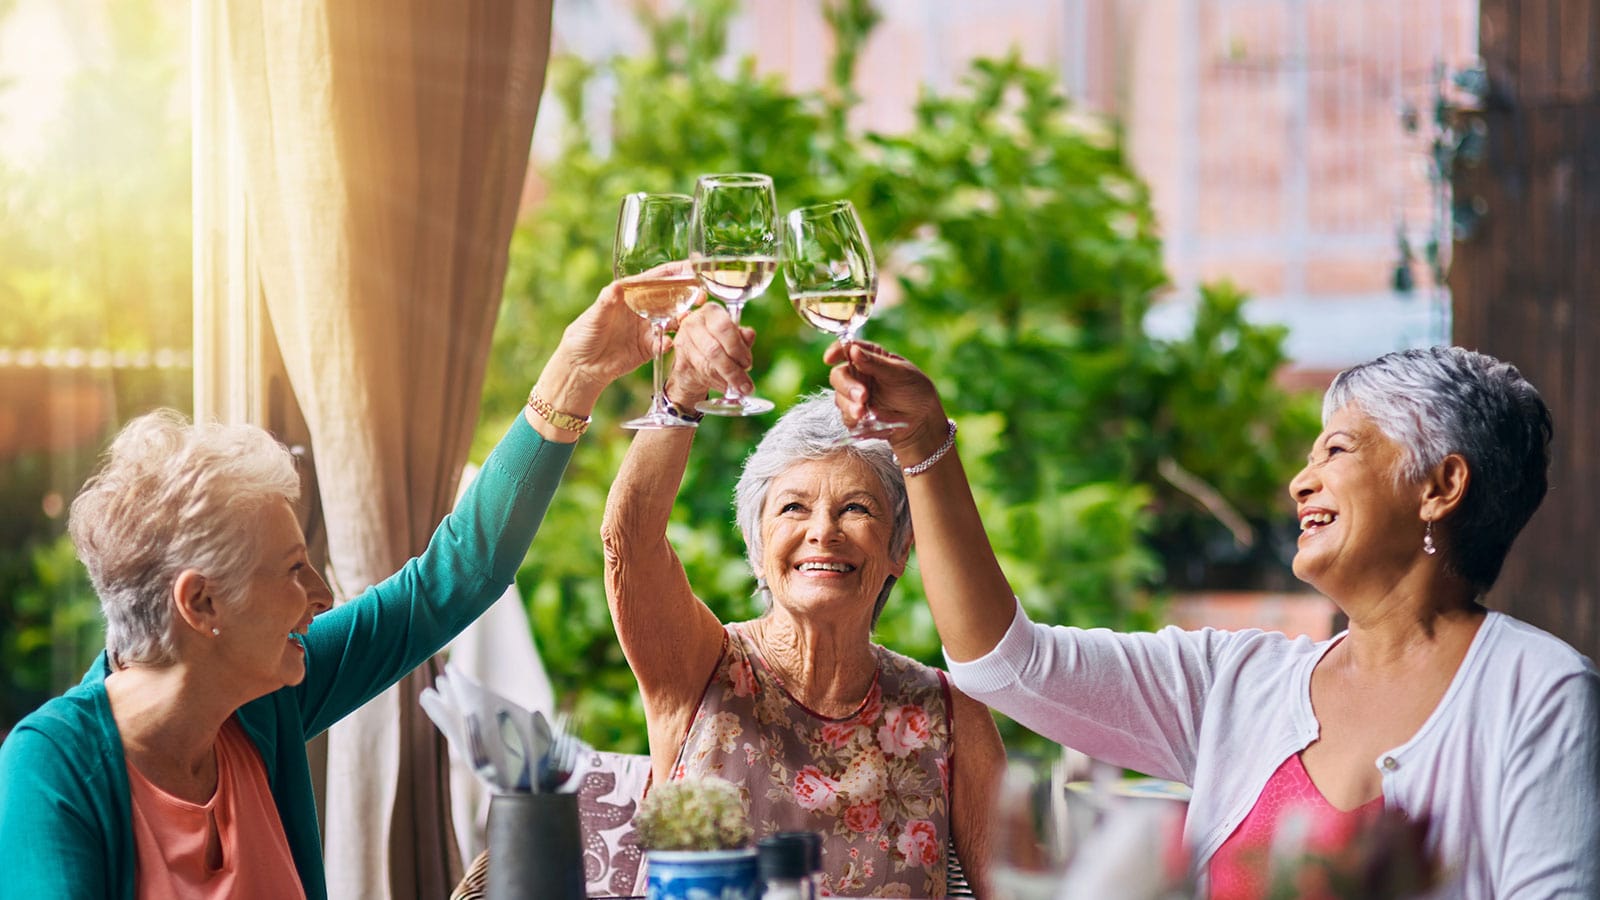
(823, 729)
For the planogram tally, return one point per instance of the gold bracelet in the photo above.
(561, 420)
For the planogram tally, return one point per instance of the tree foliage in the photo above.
(1019, 255)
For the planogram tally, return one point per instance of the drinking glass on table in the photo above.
(653, 230)
(734, 248)
(833, 281)
(1032, 831)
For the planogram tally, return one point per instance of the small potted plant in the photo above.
(697, 838)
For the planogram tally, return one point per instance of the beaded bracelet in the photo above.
(677, 412)
(925, 465)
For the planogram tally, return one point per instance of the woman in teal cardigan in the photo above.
(218, 630)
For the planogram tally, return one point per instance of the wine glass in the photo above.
(734, 250)
(833, 282)
(652, 230)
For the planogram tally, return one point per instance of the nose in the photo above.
(317, 591)
(1303, 484)
(823, 528)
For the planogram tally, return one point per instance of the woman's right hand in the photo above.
(710, 353)
(867, 376)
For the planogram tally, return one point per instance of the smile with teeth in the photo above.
(815, 566)
(1313, 519)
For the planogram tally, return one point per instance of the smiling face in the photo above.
(825, 530)
(260, 636)
(1360, 523)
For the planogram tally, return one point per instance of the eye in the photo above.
(791, 506)
(858, 508)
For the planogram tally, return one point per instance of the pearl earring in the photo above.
(217, 632)
(1427, 540)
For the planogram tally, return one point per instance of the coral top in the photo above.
(875, 783)
(231, 846)
(1242, 866)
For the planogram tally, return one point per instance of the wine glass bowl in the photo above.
(734, 253)
(653, 230)
(833, 280)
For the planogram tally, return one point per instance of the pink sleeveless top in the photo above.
(1241, 868)
(875, 783)
(231, 846)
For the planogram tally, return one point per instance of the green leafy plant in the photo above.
(693, 814)
(1018, 258)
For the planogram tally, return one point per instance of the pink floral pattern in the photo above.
(875, 783)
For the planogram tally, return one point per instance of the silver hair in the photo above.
(1446, 400)
(172, 496)
(810, 430)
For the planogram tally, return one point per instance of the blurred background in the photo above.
(1133, 240)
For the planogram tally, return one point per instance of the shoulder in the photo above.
(903, 668)
(1522, 663)
(71, 739)
(1535, 649)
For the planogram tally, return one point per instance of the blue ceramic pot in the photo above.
(702, 875)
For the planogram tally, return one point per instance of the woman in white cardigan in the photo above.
(1484, 727)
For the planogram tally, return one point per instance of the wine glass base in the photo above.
(735, 406)
(655, 420)
(875, 431)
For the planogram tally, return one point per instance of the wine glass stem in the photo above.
(658, 393)
(870, 420)
(734, 309)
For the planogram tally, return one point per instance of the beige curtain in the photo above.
(385, 144)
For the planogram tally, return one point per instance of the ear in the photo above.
(191, 598)
(1445, 487)
(898, 567)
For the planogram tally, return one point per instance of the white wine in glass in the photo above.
(735, 279)
(833, 281)
(653, 231)
(734, 250)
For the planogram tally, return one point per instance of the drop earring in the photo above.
(1427, 540)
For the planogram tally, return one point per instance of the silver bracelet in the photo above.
(925, 465)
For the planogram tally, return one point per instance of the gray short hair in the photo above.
(172, 496)
(1446, 400)
(812, 429)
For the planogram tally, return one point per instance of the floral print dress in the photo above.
(875, 784)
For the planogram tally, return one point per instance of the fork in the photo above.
(480, 754)
(557, 765)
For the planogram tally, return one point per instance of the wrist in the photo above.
(912, 466)
(568, 386)
(921, 438)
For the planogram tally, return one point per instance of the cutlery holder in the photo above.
(535, 849)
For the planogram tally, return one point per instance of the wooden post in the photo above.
(1526, 285)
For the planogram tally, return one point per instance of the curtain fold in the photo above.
(385, 144)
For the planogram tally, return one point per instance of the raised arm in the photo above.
(670, 638)
(971, 600)
(360, 648)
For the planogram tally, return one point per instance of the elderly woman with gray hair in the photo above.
(1430, 705)
(177, 768)
(823, 729)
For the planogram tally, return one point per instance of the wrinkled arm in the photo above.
(979, 761)
(670, 638)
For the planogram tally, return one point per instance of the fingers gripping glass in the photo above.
(833, 281)
(652, 230)
(734, 248)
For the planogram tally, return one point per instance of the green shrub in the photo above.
(1024, 254)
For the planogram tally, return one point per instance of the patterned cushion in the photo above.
(609, 788)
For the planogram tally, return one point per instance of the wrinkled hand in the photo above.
(866, 375)
(712, 353)
(609, 340)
